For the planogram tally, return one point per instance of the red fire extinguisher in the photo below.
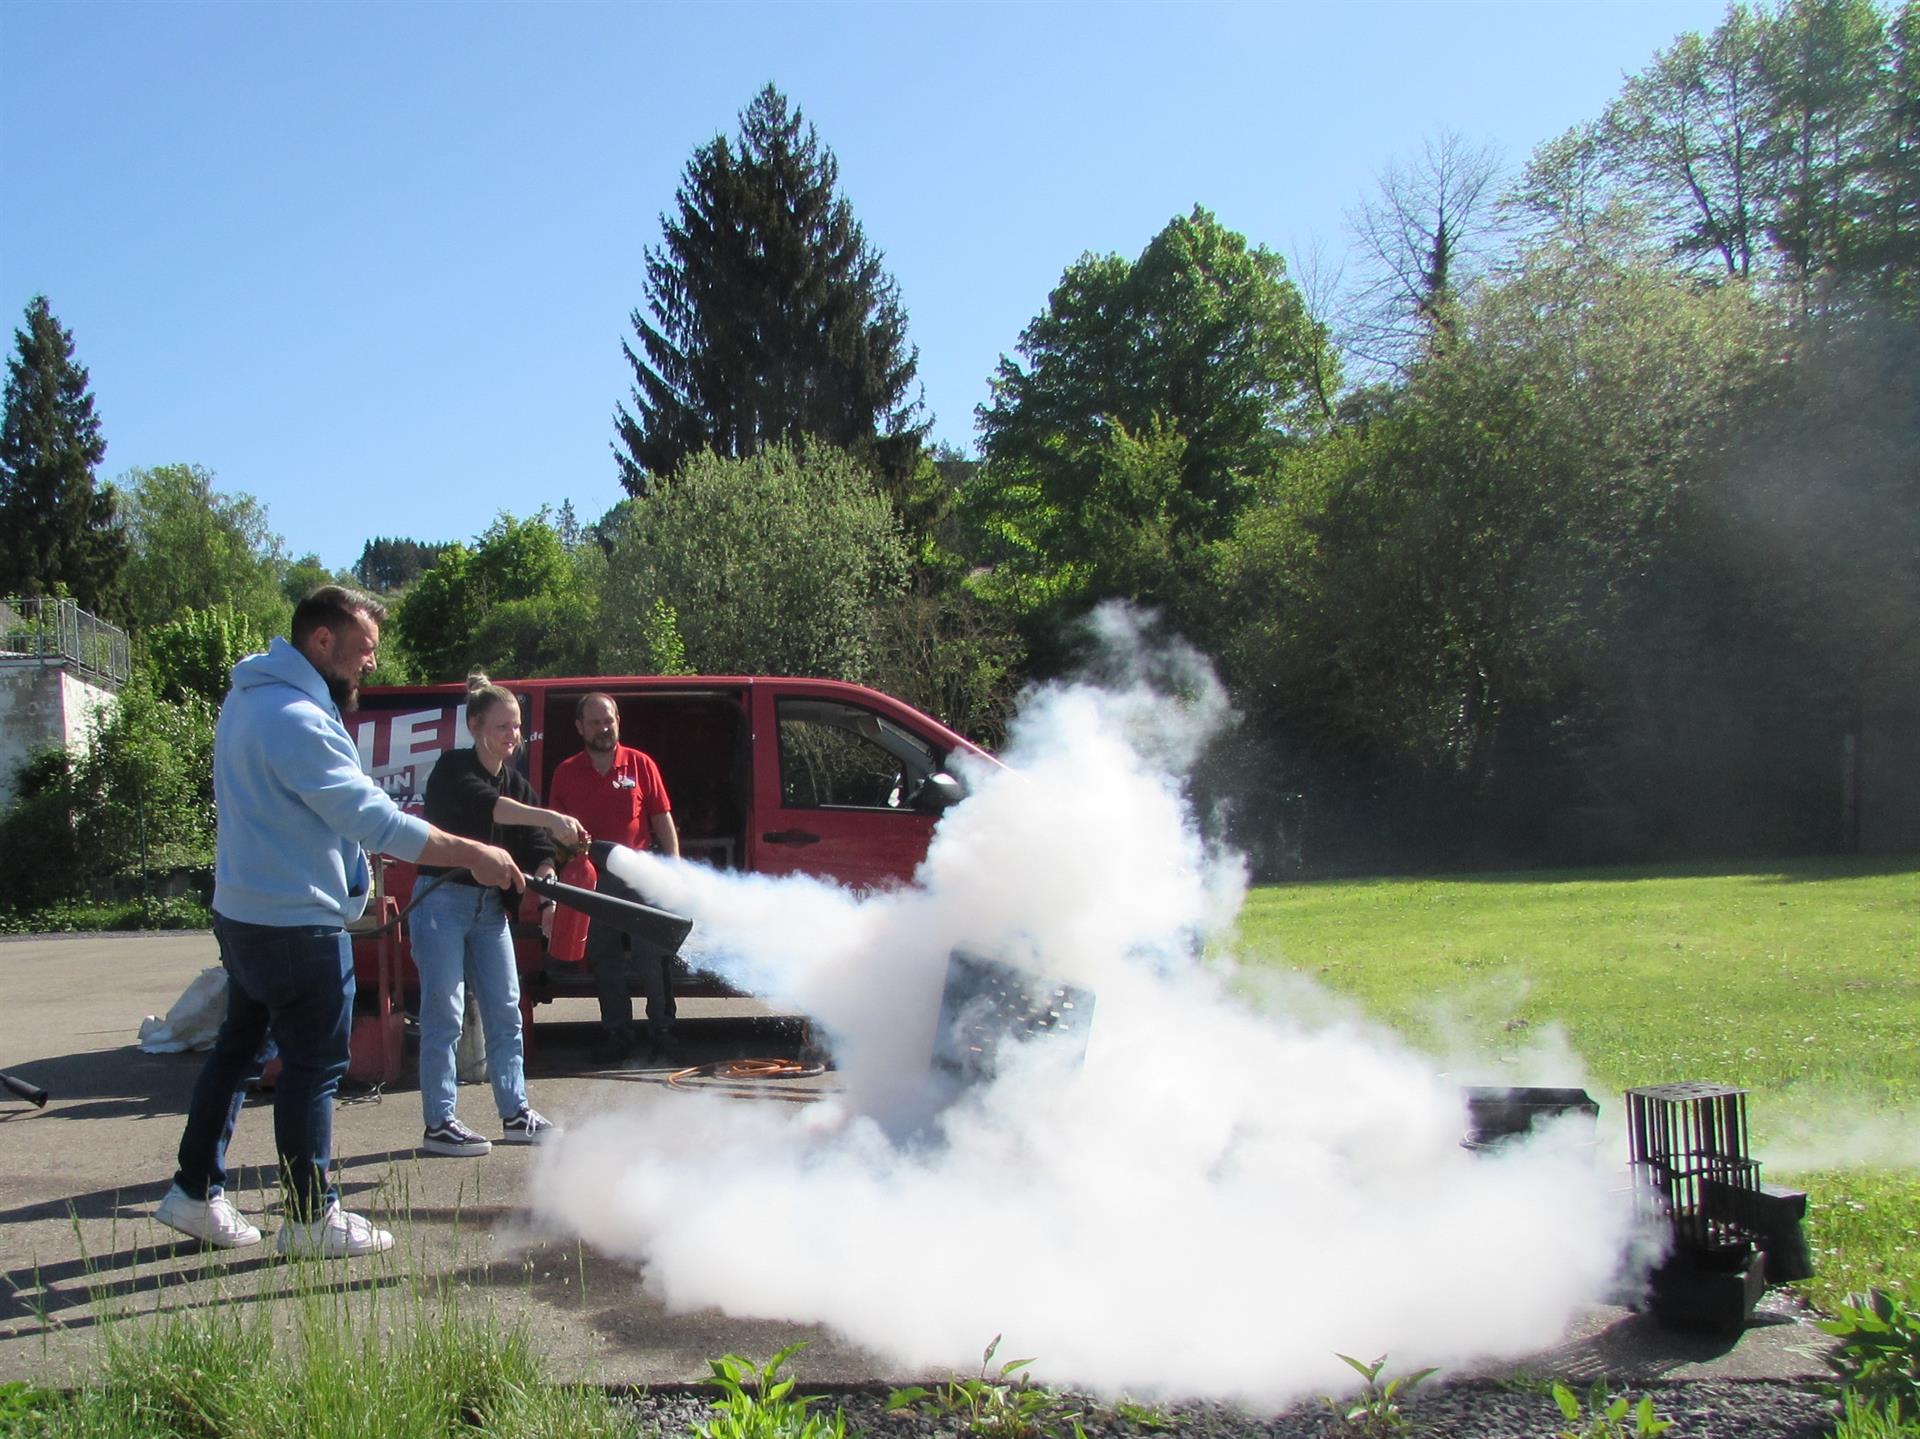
(568, 942)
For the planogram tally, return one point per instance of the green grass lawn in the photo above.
(1797, 980)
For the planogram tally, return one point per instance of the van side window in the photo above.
(841, 756)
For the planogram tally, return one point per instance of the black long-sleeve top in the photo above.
(460, 799)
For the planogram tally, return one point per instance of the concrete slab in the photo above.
(79, 1180)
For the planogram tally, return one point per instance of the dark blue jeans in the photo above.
(295, 987)
(607, 956)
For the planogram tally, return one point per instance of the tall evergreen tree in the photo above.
(772, 318)
(57, 526)
(387, 564)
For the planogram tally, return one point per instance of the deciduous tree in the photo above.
(1449, 581)
(1147, 403)
(1688, 136)
(195, 548)
(1823, 62)
(194, 652)
(1422, 236)
(305, 575)
(777, 563)
(503, 605)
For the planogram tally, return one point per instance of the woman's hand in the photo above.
(546, 871)
(568, 830)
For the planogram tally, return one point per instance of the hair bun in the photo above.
(477, 680)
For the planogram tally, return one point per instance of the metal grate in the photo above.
(987, 1004)
(1691, 1162)
(1499, 1115)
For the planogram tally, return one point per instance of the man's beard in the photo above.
(345, 692)
(605, 743)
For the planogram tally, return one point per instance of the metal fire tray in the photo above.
(987, 1005)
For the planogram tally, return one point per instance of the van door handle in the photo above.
(791, 836)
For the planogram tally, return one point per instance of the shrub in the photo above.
(37, 834)
(195, 654)
(1878, 1357)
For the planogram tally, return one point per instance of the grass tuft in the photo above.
(361, 1349)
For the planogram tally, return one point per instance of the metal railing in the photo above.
(58, 631)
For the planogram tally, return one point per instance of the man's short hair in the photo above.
(580, 710)
(330, 607)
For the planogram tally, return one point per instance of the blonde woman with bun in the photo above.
(459, 925)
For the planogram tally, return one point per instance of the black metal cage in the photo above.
(1692, 1163)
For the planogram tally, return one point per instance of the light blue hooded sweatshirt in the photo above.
(296, 811)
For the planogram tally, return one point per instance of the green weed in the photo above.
(1878, 1357)
(1003, 1404)
(758, 1404)
(1862, 1228)
(22, 1405)
(1864, 1419)
(1608, 1416)
(1375, 1413)
(1144, 1416)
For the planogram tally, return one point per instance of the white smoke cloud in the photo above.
(1817, 1129)
(1213, 1202)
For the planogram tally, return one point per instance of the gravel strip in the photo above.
(1703, 1409)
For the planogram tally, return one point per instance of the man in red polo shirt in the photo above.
(616, 792)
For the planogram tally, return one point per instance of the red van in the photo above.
(772, 776)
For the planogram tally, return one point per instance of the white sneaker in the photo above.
(334, 1235)
(212, 1220)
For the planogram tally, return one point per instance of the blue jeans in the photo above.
(293, 986)
(459, 934)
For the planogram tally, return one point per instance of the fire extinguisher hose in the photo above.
(658, 927)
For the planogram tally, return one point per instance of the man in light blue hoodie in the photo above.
(297, 815)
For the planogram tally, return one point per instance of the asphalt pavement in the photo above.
(79, 1181)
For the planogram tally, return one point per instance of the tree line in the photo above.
(1579, 519)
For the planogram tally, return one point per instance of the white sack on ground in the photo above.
(193, 1021)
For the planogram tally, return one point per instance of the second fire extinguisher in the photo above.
(568, 942)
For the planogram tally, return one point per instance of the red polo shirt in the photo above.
(618, 805)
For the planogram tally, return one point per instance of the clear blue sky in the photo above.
(372, 263)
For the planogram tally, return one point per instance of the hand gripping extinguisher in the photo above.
(568, 942)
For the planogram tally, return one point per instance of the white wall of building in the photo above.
(43, 704)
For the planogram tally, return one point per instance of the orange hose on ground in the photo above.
(738, 1078)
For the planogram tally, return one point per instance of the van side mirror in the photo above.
(938, 791)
